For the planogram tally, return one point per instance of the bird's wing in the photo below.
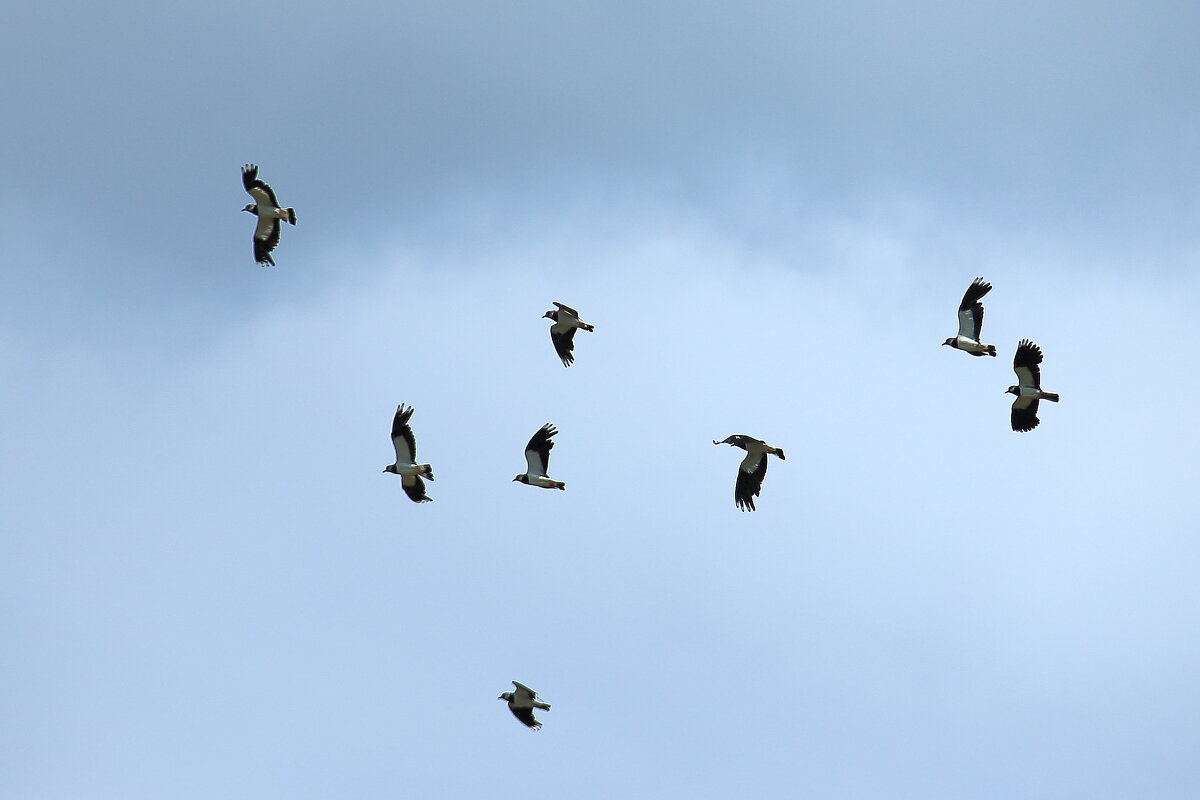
(414, 487)
(1024, 414)
(537, 452)
(525, 714)
(970, 321)
(567, 309)
(970, 310)
(266, 236)
(259, 190)
(749, 480)
(564, 343)
(525, 691)
(402, 436)
(1025, 364)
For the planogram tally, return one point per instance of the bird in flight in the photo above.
(1026, 363)
(537, 460)
(970, 321)
(406, 465)
(562, 332)
(753, 468)
(522, 702)
(266, 208)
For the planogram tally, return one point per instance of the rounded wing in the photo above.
(1024, 414)
(266, 236)
(750, 476)
(259, 190)
(414, 487)
(564, 343)
(537, 452)
(970, 310)
(1026, 363)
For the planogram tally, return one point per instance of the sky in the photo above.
(770, 212)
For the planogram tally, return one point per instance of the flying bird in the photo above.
(522, 702)
(537, 460)
(406, 465)
(562, 332)
(970, 321)
(753, 468)
(1029, 387)
(266, 208)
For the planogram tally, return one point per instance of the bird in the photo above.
(537, 460)
(1029, 387)
(562, 332)
(753, 468)
(266, 208)
(970, 321)
(522, 702)
(406, 467)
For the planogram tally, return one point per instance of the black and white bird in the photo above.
(522, 702)
(970, 321)
(562, 332)
(266, 208)
(753, 468)
(406, 465)
(1029, 387)
(537, 460)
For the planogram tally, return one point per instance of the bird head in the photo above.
(728, 440)
(949, 341)
(505, 696)
(551, 315)
(253, 209)
(390, 468)
(1013, 390)
(522, 478)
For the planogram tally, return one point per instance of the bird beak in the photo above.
(943, 344)
(514, 480)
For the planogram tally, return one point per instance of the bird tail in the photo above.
(991, 349)
(560, 485)
(291, 215)
(542, 706)
(587, 327)
(1051, 396)
(267, 261)
(779, 452)
(427, 471)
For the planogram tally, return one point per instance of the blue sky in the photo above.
(207, 587)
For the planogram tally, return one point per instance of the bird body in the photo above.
(537, 460)
(522, 702)
(266, 209)
(406, 467)
(1028, 389)
(753, 468)
(970, 321)
(562, 333)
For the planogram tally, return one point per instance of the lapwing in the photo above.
(522, 702)
(266, 208)
(406, 465)
(753, 468)
(537, 460)
(562, 332)
(1029, 387)
(970, 321)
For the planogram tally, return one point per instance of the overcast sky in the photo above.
(770, 213)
